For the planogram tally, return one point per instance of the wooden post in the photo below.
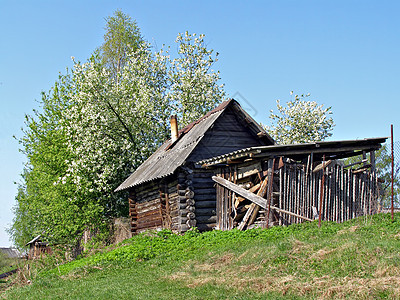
(364, 155)
(372, 160)
(271, 178)
(322, 192)
(280, 193)
(392, 204)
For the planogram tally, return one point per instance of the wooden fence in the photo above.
(346, 193)
(291, 193)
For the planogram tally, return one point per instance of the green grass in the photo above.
(356, 259)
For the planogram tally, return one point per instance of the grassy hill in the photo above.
(357, 259)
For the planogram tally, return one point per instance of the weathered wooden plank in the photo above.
(209, 197)
(205, 191)
(205, 212)
(252, 197)
(205, 204)
(148, 209)
(145, 222)
(249, 170)
(200, 174)
(322, 166)
(148, 203)
(145, 213)
(148, 227)
(206, 219)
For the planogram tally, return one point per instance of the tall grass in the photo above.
(356, 259)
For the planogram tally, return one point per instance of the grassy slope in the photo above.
(356, 259)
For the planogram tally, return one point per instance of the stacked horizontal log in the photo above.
(132, 211)
(147, 208)
(174, 205)
(205, 199)
(184, 215)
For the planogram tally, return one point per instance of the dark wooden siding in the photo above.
(145, 208)
(205, 199)
(155, 205)
(226, 135)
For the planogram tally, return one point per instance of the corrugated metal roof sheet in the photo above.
(343, 147)
(169, 157)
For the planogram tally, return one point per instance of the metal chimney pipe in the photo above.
(174, 128)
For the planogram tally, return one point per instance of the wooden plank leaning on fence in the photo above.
(253, 197)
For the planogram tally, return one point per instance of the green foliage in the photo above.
(355, 259)
(43, 207)
(300, 122)
(98, 123)
(122, 37)
(384, 172)
(3, 261)
(383, 164)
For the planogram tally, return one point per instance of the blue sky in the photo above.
(345, 53)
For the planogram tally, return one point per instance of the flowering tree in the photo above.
(44, 207)
(300, 122)
(192, 80)
(98, 125)
(113, 126)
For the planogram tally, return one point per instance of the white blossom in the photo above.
(300, 122)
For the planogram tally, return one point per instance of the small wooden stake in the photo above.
(392, 205)
(322, 193)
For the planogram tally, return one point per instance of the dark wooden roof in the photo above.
(170, 156)
(331, 150)
(10, 252)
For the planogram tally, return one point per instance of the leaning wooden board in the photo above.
(253, 197)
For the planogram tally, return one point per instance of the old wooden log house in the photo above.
(224, 171)
(169, 190)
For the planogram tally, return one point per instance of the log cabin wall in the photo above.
(204, 199)
(164, 204)
(145, 208)
(154, 205)
(186, 217)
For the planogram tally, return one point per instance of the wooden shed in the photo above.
(285, 184)
(38, 248)
(169, 190)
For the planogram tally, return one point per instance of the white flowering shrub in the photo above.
(99, 126)
(300, 121)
